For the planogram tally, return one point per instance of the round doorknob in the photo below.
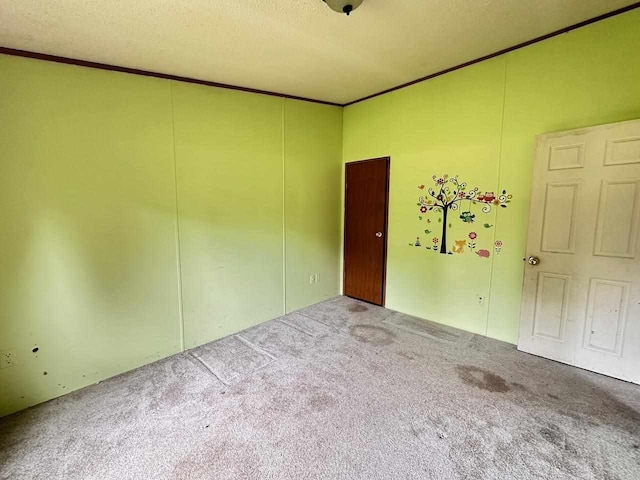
(533, 260)
(379, 234)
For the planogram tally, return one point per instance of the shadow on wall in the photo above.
(91, 286)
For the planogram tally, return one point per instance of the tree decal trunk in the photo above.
(445, 214)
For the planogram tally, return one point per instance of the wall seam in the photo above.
(495, 229)
(177, 226)
(341, 213)
(284, 213)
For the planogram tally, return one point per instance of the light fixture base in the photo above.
(343, 6)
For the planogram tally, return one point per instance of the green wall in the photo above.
(230, 202)
(479, 123)
(312, 195)
(141, 216)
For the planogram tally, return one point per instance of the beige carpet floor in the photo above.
(339, 390)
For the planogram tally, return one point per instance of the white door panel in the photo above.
(617, 226)
(581, 303)
(560, 217)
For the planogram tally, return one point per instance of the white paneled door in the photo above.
(581, 293)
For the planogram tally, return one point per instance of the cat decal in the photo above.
(459, 245)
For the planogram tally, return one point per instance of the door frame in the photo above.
(385, 230)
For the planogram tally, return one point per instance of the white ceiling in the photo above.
(297, 47)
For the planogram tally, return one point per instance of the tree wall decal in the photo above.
(449, 194)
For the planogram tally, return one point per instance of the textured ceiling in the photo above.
(297, 47)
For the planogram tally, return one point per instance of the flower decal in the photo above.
(473, 235)
(435, 240)
(423, 209)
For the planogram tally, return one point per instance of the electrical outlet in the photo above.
(8, 358)
(312, 279)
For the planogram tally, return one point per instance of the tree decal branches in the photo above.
(449, 193)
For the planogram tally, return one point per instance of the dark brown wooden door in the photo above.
(365, 229)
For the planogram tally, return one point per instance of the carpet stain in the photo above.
(173, 395)
(551, 436)
(603, 409)
(356, 308)
(406, 355)
(378, 336)
(320, 402)
(556, 437)
(482, 379)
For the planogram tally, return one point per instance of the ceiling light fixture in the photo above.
(343, 6)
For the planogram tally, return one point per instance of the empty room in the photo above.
(319, 239)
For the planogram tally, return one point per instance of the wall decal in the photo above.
(448, 194)
(467, 217)
(487, 225)
(498, 246)
(483, 253)
(459, 245)
(472, 240)
(416, 243)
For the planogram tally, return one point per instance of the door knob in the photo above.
(379, 234)
(533, 260)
